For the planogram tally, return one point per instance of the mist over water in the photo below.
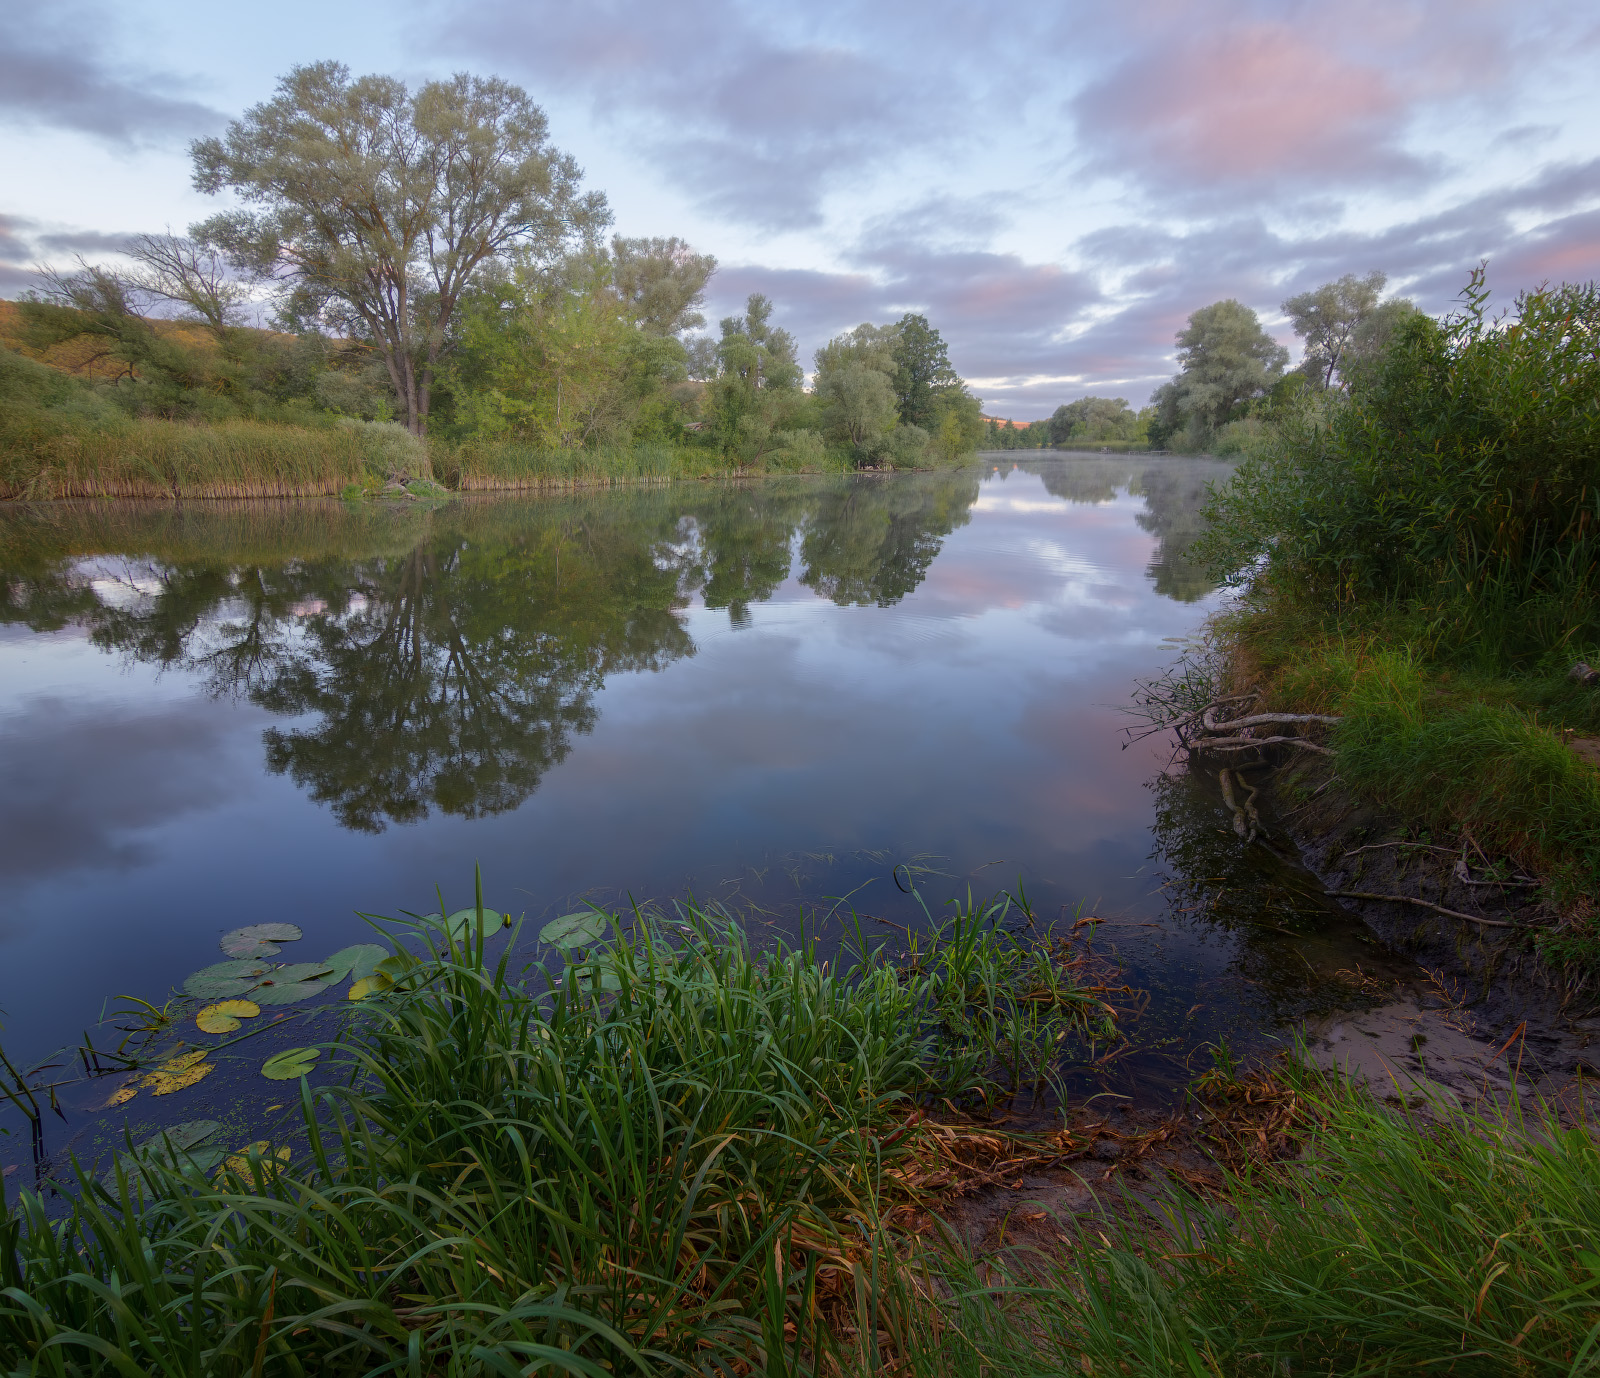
(768, 694)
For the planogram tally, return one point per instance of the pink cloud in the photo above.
(1248, 104)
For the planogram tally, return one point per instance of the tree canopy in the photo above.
(376, 206)
(1225, 360)
(1344, 324)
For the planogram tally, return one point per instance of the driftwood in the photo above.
(1424, 904)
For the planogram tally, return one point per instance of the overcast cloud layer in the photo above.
(1057, 186)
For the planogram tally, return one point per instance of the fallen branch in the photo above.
(1256, 719)
(1425, 904)
(1244, 743)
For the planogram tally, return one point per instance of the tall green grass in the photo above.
(666, 1152)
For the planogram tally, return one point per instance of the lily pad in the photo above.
(356, 962)
(271, 1163)
(290, 1063)
(226, 980)
(574, 930)
(178, 1144)
(465, 921)
(178, 1073)
(259, 939)
(375, 984)
(391, 972)
(288, 985)
(224, 1016)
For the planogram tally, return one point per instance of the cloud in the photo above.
(759, 124)
(54, 73)
(86, 242)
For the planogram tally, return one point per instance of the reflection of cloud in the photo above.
(147, 770)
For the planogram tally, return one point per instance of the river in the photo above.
(769, 695)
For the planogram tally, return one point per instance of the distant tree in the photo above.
(757, 383)
(922, 371)
(662, 281)
(378, 207)
(1343, 323)
(193, 277)
(1092, 419)
(1226, 359)
(855, 375)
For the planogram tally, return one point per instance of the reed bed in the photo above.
(495, 466)
(146, 458)
(664, 1152)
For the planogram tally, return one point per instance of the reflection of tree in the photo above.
(1289, 942)
(445, 660)
(872, 542)
(1175, 492)
(745, 537)
(1175, 495)
(462, 680)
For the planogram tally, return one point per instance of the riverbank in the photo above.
(671, 1150)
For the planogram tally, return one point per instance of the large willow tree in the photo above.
(376, 206)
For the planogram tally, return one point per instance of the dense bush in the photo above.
(1462, 473)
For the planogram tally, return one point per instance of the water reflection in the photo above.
(453, 672)
(625, 694)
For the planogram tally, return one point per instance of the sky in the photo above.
(1056, 186)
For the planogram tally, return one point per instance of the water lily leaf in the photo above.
(173, 1145)
(290, 984)
(178, 1073)
(259, 939)
(574, 930)
(271, 1163)
(124, 1093)
(290, 1063)
(226, 980)
(375, 984)
(356, 962)
(465, 921)
(224, 1016)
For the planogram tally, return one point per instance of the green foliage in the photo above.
(1469, 764)
(1344, 326)
(1098, 419)
(1462, 473)
(516, 1171)
(922, 371)
(1226, 360)
(357, 191)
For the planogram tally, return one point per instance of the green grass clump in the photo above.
(666, 1153)
(1458, 1243)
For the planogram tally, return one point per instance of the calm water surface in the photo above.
(767, 695)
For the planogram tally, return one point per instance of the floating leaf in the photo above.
(290, 984)
(224, 1017)
(271, 1163)
(465, 921)
(259, 939)
(178, 1073)
(357, 962)
(170, 1147)
(290, 1063)
(574, 930)
(375, 984)
(124, 1093)
(226, 980)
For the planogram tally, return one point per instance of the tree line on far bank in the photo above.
(1231, 378)
(431, 260)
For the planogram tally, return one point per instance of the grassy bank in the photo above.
(1396, 1242)
(665, 1152)
(1419, 558)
